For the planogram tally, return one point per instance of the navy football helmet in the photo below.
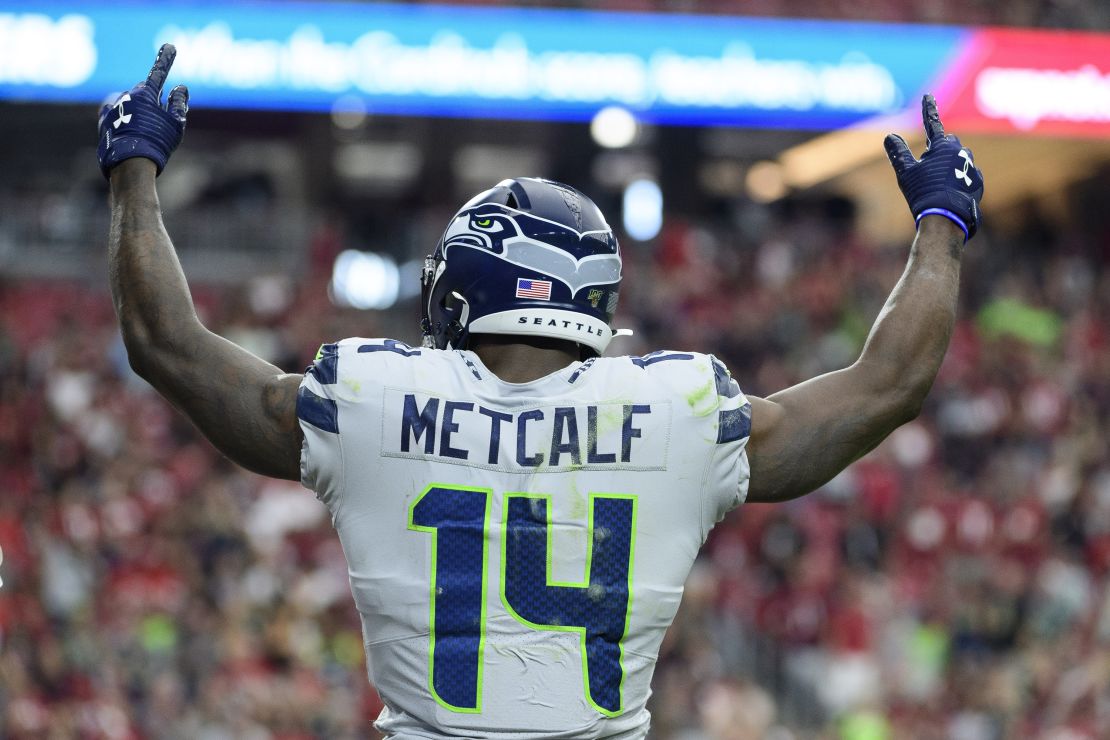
(529, 257)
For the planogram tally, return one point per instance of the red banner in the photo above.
(1032, 82)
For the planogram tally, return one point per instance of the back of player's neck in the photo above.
(521, 360)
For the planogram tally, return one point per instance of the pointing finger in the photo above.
(179, 102)
(898, 152)
(934, 129)
(162, 63)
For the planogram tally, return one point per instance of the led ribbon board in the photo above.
(549, 64)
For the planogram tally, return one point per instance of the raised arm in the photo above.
(245, 406)
(804, 435)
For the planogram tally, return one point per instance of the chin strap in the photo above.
(427, 278)
(456, 312)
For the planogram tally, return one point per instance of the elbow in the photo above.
(154, 352)
(910, 398)
(138, 356)
(139, 365)
(901, 395)
(140, 349)
(910, 407)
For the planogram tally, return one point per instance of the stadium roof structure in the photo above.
(1019, 169)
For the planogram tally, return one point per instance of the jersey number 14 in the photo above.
(459, 520)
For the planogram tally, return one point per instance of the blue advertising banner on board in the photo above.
(486, 62)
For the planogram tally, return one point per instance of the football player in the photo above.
(519, 513)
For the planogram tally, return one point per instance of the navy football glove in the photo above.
(137, 125)
(945, 181)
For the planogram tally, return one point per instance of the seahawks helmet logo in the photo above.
(522, 239)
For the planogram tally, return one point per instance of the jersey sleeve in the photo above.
(318, 415)
(727, 478)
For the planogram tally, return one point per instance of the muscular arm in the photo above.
(245, 406)
(803, 436)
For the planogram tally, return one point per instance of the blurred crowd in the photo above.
(955, 583)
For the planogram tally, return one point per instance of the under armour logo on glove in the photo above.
(925, 182)
(968, 164)
(146, 128)
(123, 117)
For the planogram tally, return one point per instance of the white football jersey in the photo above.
(517, 551)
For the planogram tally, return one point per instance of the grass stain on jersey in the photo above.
(611, 416)
(578, 503)
(698, 398)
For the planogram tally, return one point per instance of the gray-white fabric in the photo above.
(684, 470)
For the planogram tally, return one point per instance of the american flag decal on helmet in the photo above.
(540, 289)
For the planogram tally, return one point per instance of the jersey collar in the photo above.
(558, 381)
